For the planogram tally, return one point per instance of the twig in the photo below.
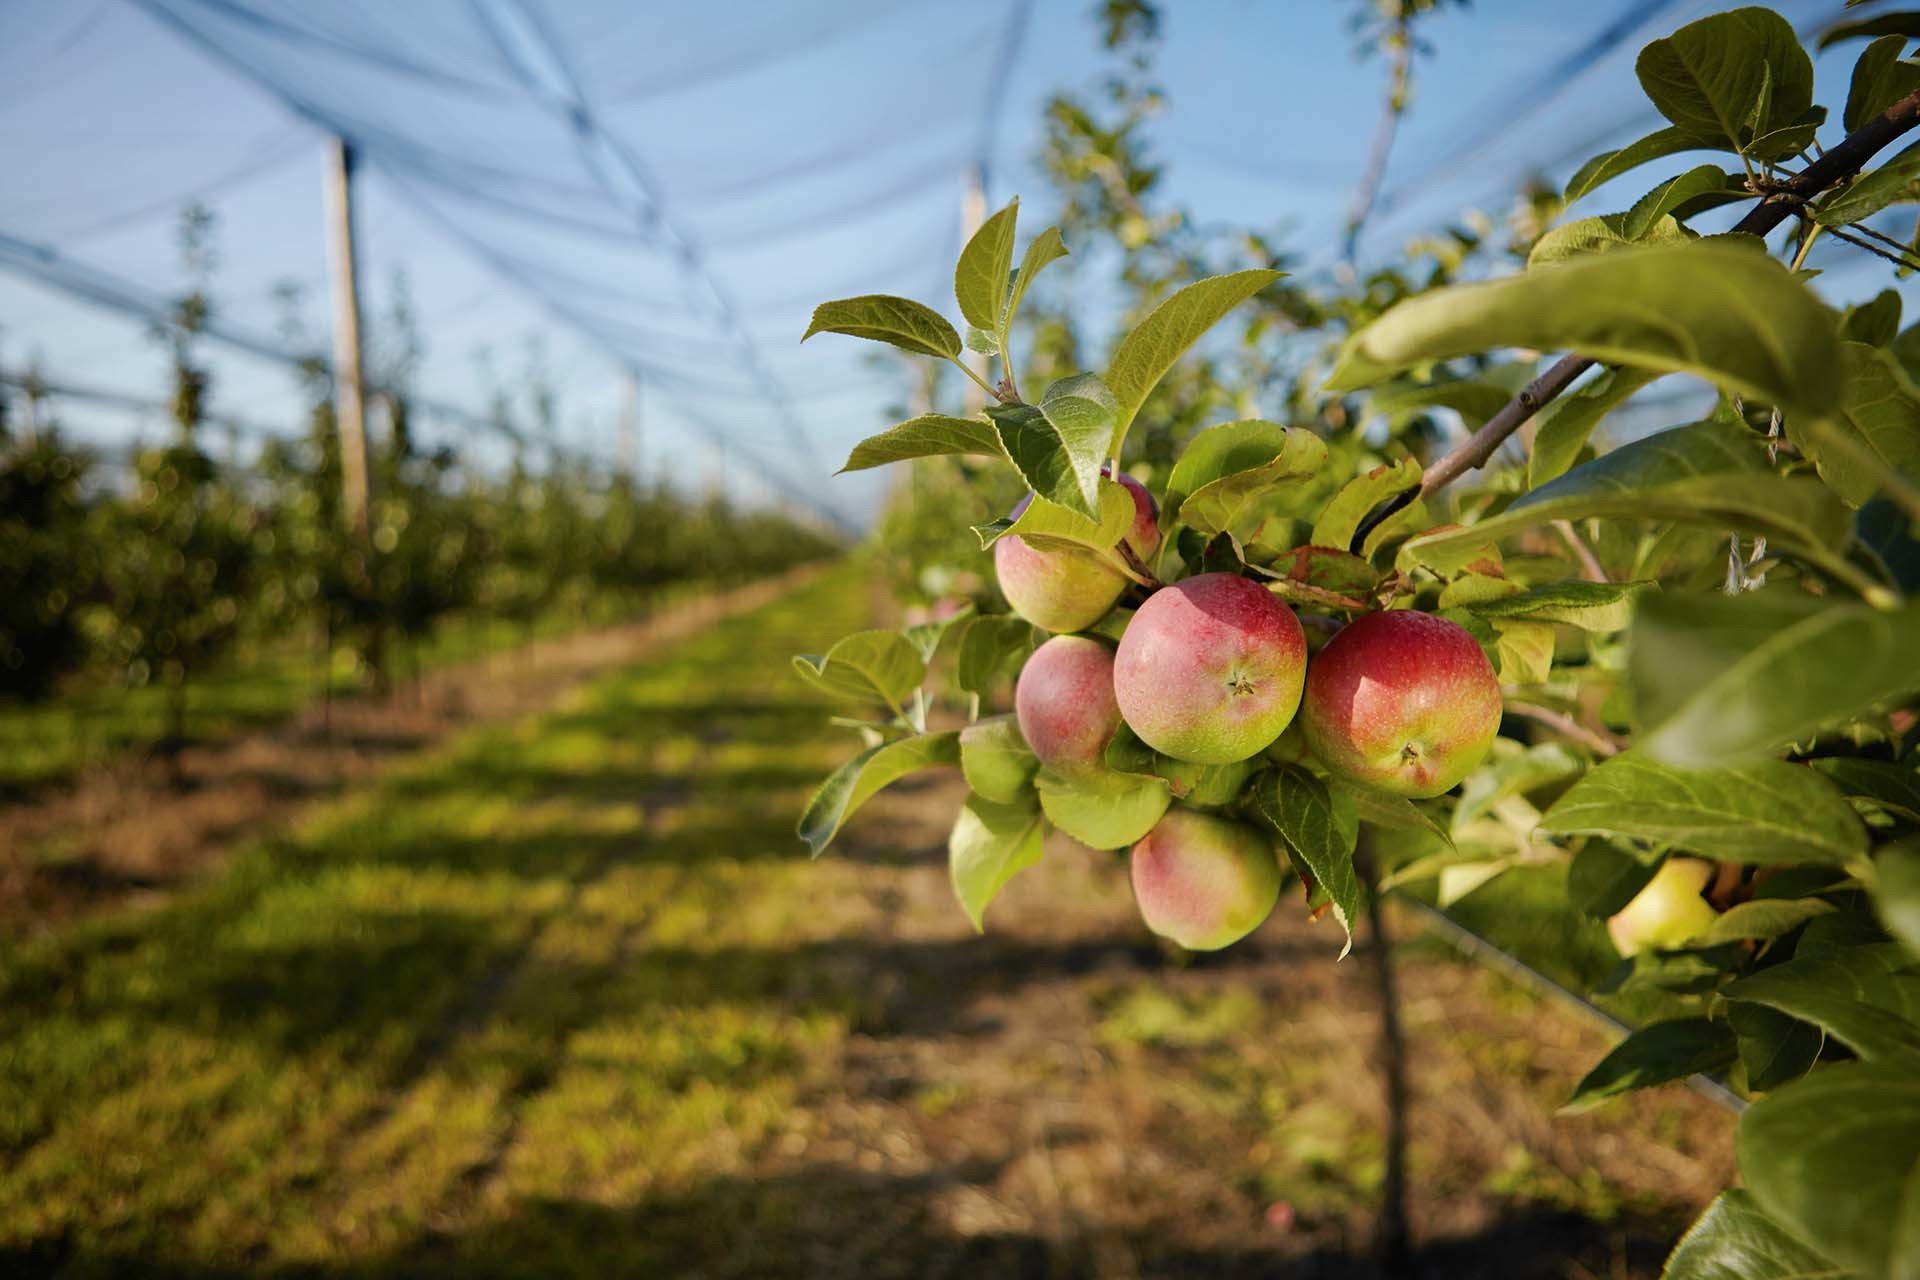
(1892, 243)
(1595, 740)
(1398, 87)
(1589, 563)
(1779, 202)
(1900, 260)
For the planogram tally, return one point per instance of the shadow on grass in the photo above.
(828, 1221)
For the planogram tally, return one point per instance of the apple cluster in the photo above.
(1209, 672)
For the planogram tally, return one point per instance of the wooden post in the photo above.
(973, 212)
(349, 400)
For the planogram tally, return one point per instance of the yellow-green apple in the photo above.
(1203, 880)
(1403, 702)
(1210, 669)
(1064, 703)
(1070, 590)
(1666, 913)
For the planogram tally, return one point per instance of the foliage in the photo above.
(1703, 638)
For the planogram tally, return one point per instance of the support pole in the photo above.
(630, 428)
(349, 402)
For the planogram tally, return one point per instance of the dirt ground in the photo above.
(124, 835)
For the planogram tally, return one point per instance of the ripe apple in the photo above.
(1064, 703)
(1203, 880)
(1401, 701)
(1070, 590)
(1210, 669)
(1667, 912)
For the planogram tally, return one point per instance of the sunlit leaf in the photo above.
(980, 277)
(899, 322)
(923, 437)
(1145, 355)
(1563, 429)
(997, 762)
(1707, 77)
(1652, 1055)
(1320, 828)
(989, 845)
(1735, 1240)
(859, 779)
(869, 666)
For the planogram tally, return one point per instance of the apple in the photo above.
(1203, 880)
(1070, 590)
(1064, 703)
(1403, 702)
(1210, 669)
(1668, 912)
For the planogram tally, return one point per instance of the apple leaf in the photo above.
(1320, 828)
(1767, 811)
(1880, 79)
(1760, 920)
(1145, 355)
(1735, 1240)
(1713, 77)
(1774, 1048)
(1058, 446)
(1342, 515)
(989, 647)
(899, 322)
(1228, 466)
(859, 779)
(923, 437)
(1104, 810)
(1564, 428)
(1603, 233)
(980, 277)
(1051, 527)
(1041, 250)
(1896, 891)
(1609, 165)
(1603, 878)
(1892, 787)
(997, 762)
(1866, 997)
(1868, 194)
(1718, 679)
(1655, 1054)
(1674, 196)
(1474, 399)
(1834, 1158)
(928, 637)
(1716, 308)
(868, 666)
(1713, 473)
(990, 844)
(1878, 428)
(1590, 606)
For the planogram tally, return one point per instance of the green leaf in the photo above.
(1609, 165)
(1720, 679)
(983, 342)
(1672, 196)
(990, 844)
(1875, 322)
(1394, 813)
(1145, 355)
(1762, 919)
(898, 322)
(1513, 770)
(1523, 651)
(1835, 1159)
(923, 437)
(1103, 810)
(1734, 1240)
(1342, 515)
(980, 278)
(1716, 308)
(1709, 76)
(1041, 250)
(1474, 399)
(1896, 892)
(1880, 79)
(1774, 1048)
(1891, 183)
(1320, 827)
(1590, 606)
(1768, 811)
(1656, 1054)
(1893, 787)
(1058, 447)
(1866, 997)
(989, 648)
(997, 762)
(867, 666)
(1879, 422)
(1562, 431)
(1051, 527)
(1604, 233)
(927, 637)
(1712, 473)
(1906, 23)
(1603, 878)
(1227, 467)
(859, 779)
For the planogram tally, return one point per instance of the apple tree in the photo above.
(1685, 669)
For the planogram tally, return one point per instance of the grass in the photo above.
(446, 1025)
(79, 728)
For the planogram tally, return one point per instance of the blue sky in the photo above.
(792, 152)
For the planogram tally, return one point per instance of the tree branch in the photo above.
(1778, 203)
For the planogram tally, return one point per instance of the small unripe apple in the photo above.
(1070, 590)
(1064, 703)
(1204, 881)
(1210, 668)
(1403, 702)
(1667, 912)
